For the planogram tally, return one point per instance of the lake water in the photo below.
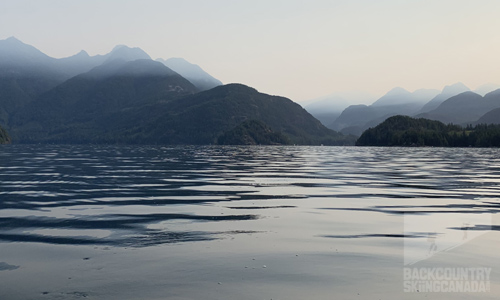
(152, 222)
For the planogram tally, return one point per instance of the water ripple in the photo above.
(47, 184)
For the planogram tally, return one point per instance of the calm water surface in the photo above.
(147, 222)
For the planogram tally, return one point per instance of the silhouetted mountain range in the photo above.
(448, 91)
(329, 108)
(399, 96)
(88, 100)
(357, 118)
(26, 72)
(465, 108)
(26, 60)
(454, 104)
(125, 97)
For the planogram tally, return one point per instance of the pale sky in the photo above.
(298, 49)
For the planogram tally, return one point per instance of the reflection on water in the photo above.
(371, 207)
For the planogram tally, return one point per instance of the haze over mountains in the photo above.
(330, 107)
(126, 97)
(196, 75)
(19, 57)
(464, 108)
(447, 92)
(454, 104)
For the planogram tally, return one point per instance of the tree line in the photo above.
(407, 131)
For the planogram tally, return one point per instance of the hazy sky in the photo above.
(298, 49)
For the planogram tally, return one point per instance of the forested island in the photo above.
(407, 131)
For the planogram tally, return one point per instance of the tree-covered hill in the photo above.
(88, 102)
(253, 132)
(201, 118)
(407, 131)
(152, 110)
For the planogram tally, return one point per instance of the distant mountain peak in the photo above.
(14, 42)
(15, 51)
(126, 53)
(13, 39)
(397, 91)
(397, 95)
(455, 88)
(117, 47)
(82, 53)
(126, 48)
(457, 84)
(447, 92)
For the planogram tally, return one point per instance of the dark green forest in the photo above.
(253, 132)
(4, 136)
(407, 131)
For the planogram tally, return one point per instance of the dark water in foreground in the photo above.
(136, 222)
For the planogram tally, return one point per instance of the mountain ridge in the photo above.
(194, 73)
(125, 97)
(357, 118)
(199, 118)
(26, 72)
(464, 108)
